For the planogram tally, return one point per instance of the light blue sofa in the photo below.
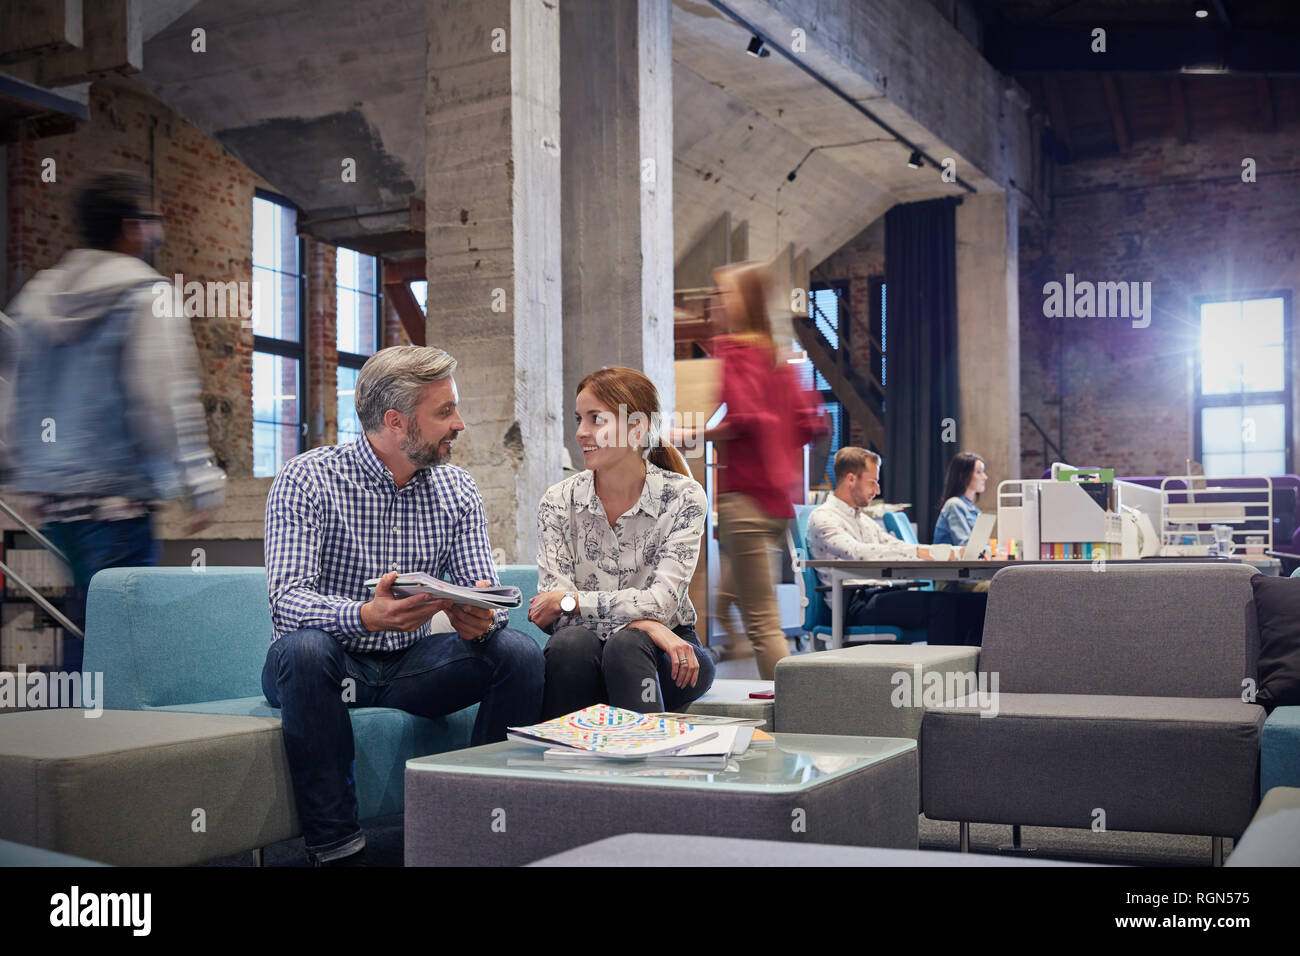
(1279, 750)
(179, 639)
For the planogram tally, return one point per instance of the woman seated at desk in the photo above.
(618, 544)
(957, 515)
(958, 511)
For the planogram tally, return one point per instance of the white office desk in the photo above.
(851, 573)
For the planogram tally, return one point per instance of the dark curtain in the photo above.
(921, 283)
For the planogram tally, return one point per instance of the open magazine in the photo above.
(418, 582)
(614, 733)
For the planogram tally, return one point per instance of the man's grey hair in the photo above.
(394, 377)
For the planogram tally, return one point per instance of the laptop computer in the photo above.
(979, 536)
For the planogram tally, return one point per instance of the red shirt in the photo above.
(771, 419)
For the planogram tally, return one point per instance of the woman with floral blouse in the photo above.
(618, 544)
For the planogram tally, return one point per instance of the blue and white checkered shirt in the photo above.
(335, 518)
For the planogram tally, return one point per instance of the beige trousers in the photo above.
(747, 534)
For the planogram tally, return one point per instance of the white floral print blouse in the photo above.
(639, 569)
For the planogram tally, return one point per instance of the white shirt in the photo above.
(837, 530)
(640, 569)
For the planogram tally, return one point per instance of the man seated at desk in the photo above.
(840, 528)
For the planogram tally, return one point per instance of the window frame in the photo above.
(270, 345)
(1239, 399)
(352, 360)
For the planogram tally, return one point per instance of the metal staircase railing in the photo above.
(856, 392)
(1048, 444)
(35, 595)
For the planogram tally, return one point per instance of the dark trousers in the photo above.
(950, 617)
(626, 671)
(314, 681)
(92, 546)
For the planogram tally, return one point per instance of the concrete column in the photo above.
(492, 242)
(988, 336)
(617, 164)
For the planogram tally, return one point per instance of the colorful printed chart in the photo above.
(613, 732)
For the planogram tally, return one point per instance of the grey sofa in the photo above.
(1119, 706)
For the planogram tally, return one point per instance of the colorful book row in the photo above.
(1072, 550)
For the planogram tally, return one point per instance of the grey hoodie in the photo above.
(159, 365)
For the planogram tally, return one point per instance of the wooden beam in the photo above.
(408, 310)
(35, 27)
(398, 275)
(403, 270)
(1111, 90)
(1267, 105)
(1182, 122)
(1056, 110)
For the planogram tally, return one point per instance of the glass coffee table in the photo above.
(505, 804)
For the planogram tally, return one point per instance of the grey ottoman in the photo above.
(858, 690)
(1150, 764)
(730, 698)
(643, 849)
(505, 805)
(125, 787)
(15, 854)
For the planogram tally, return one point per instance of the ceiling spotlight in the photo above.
(915, 159)
(1202, 14)
(756, 47)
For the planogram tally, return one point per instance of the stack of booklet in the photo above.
(418, 582)
(610, 733)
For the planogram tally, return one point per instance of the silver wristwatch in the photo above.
(487, 635)
(569, 603)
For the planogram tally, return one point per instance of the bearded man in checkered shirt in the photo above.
(336, 516)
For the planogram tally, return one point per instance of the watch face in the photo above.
(567, 603)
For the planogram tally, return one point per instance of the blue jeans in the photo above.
(92, 546)
(437, 675)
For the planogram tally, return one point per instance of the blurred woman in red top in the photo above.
(769, 419)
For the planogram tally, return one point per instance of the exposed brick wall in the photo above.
(1179, 216)
(207, 197)
(857, 260)
(321, 408)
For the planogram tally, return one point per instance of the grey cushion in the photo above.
(1158, 764)
(851, 690)
(480, 819)
(730, 698)
(1185, 630)
(123, 788)
(644, 849)
(1273, 837)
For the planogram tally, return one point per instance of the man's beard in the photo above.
(420, 454)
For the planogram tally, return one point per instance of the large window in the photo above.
(358, 309)
(828, 308)
(1243, 403)
(278, 379)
